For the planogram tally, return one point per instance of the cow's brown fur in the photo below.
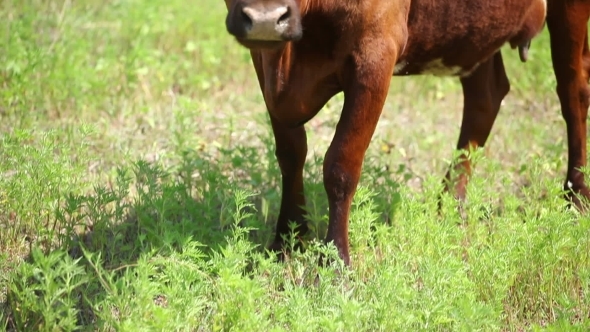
(356, 46)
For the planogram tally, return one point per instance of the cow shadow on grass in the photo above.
(151, 208)
(201, 199)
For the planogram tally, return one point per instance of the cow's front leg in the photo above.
(365, 82)
(291, 150)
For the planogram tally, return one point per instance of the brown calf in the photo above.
(306, 51)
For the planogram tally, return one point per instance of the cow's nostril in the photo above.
(247, 20)
(283, 19)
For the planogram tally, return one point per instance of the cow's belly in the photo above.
(436, 67)
(440, 48)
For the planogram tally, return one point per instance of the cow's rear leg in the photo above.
(483, 92)
(291, 150)
(569, 49)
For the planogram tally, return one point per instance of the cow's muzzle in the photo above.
(264, 23)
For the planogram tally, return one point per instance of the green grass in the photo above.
(138, 188)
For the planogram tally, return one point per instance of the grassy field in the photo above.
(138, 189)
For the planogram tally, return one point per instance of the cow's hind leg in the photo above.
(483, 92)
(571, 59)
(291, 151)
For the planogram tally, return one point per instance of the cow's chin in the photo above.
(262, 44)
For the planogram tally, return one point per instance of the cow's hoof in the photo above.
(579, 196)
(277, 248)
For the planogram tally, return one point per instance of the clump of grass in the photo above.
(40, 176)
(46, 292)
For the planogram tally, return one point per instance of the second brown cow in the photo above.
(306, 51)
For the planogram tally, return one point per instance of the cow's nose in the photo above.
(268, 25)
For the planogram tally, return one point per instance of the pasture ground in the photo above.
(138, 188)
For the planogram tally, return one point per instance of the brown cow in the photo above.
(306, 51)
